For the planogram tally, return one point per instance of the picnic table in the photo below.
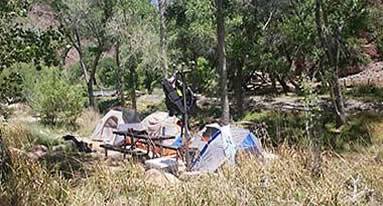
(150, 141)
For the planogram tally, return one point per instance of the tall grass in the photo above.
(32, 184)
(87, 122)
(343, 179)
(286, 181)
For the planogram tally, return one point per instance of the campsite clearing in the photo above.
(115, 181)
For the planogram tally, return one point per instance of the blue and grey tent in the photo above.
(222, 145)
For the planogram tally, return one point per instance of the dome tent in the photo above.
(111, 122)
(222, 144)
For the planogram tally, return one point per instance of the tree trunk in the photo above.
(341, 116)
(64, 55)
(92, 77)
(132, 74)
(338, 102)
(238, 89)
(79, 50)
(332, 53)
(222, 62)
(283, 83)
(162, 9)
(273, 82)
(132, 64)
(120, 76)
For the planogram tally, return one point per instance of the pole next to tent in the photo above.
(185, 118)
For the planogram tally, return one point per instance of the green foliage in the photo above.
(204, 77)
(107, 73)
(75, 73)
(21, 43)
(282, 126)
(11, 86)
(104, 105)
(290, 127)
(191, 30)
(16, 82)
(55, 99)
(376, 27)
(366, 92)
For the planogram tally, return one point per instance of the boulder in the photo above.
(39, 148)
(37, 152)
(160, 178)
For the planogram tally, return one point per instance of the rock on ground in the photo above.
(37, 152)
(160, 178)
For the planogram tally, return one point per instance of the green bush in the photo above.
(55, 99)
(376, 27)
(204, 77)
(16, 82)
(289, 127)
(369, 92)
(11, 86)
(107, 73)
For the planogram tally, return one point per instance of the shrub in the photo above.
(107, 72)
(11, 86)
(55, 99)
(368, 92)
(16, 82)
(290, 127)
(204, 77)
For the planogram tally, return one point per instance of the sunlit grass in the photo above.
(296, 177)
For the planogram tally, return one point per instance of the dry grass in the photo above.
(295, 178)
(31, 184)
(87, 122)
(286, 181)
(376, 130)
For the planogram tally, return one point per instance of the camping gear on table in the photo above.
(120, 126)
(222, 146)
(161, 124)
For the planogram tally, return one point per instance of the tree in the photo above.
(134, 30)
(86, 21)
(337, 24)
(22, 42)
(222, 62)
(191, 28)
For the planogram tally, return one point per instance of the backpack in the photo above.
(173, 89)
